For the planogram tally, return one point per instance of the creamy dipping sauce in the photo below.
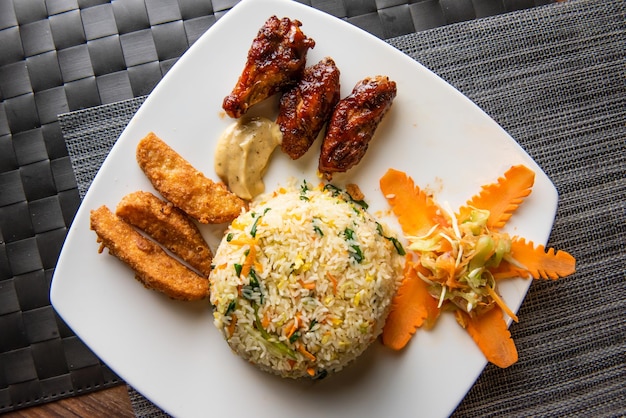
(242, 154)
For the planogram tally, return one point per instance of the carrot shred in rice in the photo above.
(232, 325)
(309, 286)
(266, 320)
(295, 324)
(249, 262)
(334, 282)
(305, 353)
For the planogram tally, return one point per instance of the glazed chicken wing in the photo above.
(306, 107)
(276, 59)
(353, 123)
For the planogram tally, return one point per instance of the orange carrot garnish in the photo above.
(539, 263)
(461, 258)
(489, 331)
(501, 199)
(410, 309)
(507, 270)
(429, 303)
(494, 295)
(415, 210)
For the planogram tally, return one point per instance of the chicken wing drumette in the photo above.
(275, 60)
(353, 123)
(307, 106)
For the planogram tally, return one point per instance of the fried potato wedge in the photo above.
(187, 188)
(152, 265)
(169, 226)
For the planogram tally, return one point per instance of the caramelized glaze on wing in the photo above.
(353, 123)
(276, 59)
(307, 106)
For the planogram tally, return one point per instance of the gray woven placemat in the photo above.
(553, 77)
(89, 135)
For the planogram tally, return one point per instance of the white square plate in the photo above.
(170, 351)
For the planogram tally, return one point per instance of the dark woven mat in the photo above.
(552, 76)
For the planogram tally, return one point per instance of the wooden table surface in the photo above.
(112, 402)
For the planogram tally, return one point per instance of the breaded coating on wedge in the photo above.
(187, 188)
(169, 226)
(152, 265)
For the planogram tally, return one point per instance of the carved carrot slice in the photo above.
(489, 331)
(425, 298)
(412, 306)
(507, 270)
(501, 199)
(541, 264)
(415, 210)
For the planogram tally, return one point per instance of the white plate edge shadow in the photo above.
(65, 301)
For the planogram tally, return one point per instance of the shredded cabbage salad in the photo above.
(458, 259)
